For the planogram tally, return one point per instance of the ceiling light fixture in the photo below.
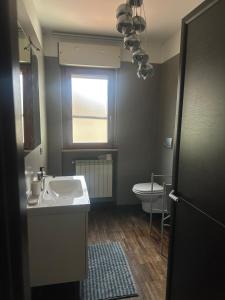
(132, 42)
(136, 3)
(145, 69)
(124, 24)
(131, 22)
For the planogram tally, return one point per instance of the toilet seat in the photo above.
(146, 188)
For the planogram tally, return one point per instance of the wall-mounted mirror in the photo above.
(29, 93)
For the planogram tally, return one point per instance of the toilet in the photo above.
(149, 194)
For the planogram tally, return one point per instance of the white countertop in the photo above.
(48, 203)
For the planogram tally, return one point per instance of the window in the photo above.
(88, 107)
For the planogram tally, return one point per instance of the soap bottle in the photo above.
(35, 192)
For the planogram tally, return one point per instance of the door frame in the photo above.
(14, 271)
(207, 4)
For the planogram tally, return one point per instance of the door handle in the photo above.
(173, 197)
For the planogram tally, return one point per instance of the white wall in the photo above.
(28, 19)
(171, 47)
(51, 41)
(158, 52)
(24, 55)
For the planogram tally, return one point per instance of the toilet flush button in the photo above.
(168, 143)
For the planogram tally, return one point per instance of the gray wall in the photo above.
(54, 115)
(166, 114)
(145, 112)
(136, 127)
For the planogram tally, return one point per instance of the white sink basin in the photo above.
(64, 193)
(65, 188)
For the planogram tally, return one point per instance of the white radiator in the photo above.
(98, 176)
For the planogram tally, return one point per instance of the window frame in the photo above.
(67, 119)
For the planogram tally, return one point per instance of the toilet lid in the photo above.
(146, 188)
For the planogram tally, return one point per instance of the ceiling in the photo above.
(98, 17)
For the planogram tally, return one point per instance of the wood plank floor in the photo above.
(130, 226)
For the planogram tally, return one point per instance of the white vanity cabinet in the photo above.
(57, 232)
(57, 247)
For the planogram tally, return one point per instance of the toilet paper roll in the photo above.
(36, 188)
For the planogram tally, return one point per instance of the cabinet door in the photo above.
(57, 248)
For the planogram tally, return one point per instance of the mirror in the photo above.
(29, 93)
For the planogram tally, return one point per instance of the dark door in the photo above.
(13, 230)
(197, 251)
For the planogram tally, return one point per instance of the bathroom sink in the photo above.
(65, 188)
(64, 193)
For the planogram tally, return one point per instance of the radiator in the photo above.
(98, 176)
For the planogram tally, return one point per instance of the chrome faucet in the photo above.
(41, 175)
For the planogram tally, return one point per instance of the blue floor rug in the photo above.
(109, 274)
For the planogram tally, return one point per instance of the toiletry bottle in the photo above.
(42, 175)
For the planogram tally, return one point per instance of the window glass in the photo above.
(89, 130)
(89, 109)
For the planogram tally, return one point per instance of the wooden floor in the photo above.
(130, 226)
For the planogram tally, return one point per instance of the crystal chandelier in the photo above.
(131, 22)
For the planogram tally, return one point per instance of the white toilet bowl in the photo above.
(149, 194)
